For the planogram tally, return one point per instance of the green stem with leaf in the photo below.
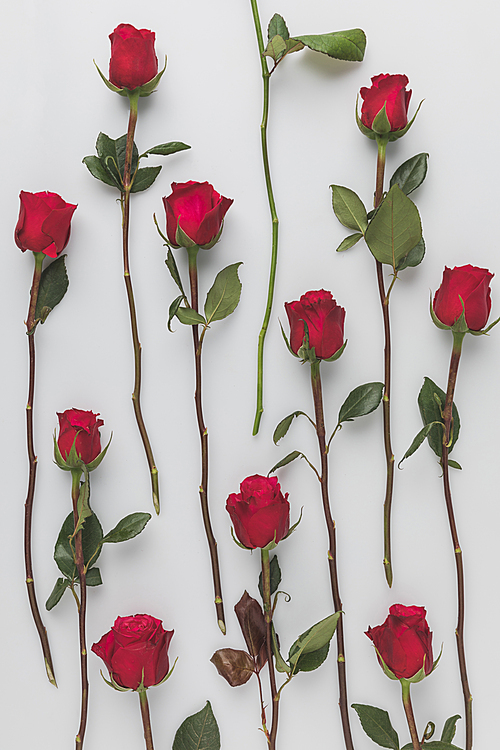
(82, 609)
(125, 204)
(405, 686)
(274, 218)
(268, 615)
(146, 721)
(332, 551)
(32, 459)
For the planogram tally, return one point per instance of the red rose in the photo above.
(404, 641)
(388, 90)
(325, 323)
(135, 650)
(260, 514)
(472, 285)
(82, 429)
(196, 209)
(44, 223)
(133, 60)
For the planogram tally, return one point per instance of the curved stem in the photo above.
(459, 632)
(32, 459)
(266, 596)
(214, 557)
(405, 685)
(332, 552)
(82, 610)
(274, 218)
(136, 394)
(146, 721)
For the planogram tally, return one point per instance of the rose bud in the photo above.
(260, 514)
(388, 90)
(325, 323)
(44, 223)
(135, 651)
(195, 214)
(404, 642)
(463, 289)
(81, 429)
(133, 60)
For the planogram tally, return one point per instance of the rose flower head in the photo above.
(81, 429)
(384, 112)
(195, 214)
(44, 223)
(135, 651)
(404, 642)
(464, 289)
(133, 59)
(259, 512)
(324, 320)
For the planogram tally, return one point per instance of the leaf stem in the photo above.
(274, 218)
(146, 721)
(405, 686)
(266, 596)
(214, 558)
(125, 204)
(32, 460)
(82, 609)
(332, 551)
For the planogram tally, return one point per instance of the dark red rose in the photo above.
(198, 210)
(135, 650)
(325, 322)
(44, 223)
(404, 641)
(388, 90)
(470, 283)
(82, 429)
(260, 514)
(133, 60)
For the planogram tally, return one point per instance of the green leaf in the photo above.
(223, 297)
(53, 286)
(198, 732)
(343, 45)
(93, 577)
(275, 576)
(127, 528)
(349, 208)
(450, 727)
(172, 310)
(316, 637)
(174, 271)
(431, 400)
(411, 174)
(277, 26)
(395, 229)
(99, 171)
(361, 401)
(349, 242)
(377, 725)
(60, 587)
(280, 663)
(106, 151)
(284, 426)
(189, 317)
(437, 745)
(165, 149)
(91, 542)
(287, 460)
(454, 464)
(311, 661)
(276, 48)
(144, 178)
(414, 257)
(420, 437)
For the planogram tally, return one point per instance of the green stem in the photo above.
(332, 551)
(82, 610)
(274, 218)
(32, 461)
(459, 632)
(146, 721)
(125, 203)
(266, 596)
(405, 686)
(212, 544)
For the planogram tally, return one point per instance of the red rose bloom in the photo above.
(260, 514)
(198, 210)
(388, 90)
(472, 285)
(44, 223)
(404, 641)
(82, 429)
(135, 650)
(133, 60)
(325, 323)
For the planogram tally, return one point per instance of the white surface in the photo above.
(54, 106)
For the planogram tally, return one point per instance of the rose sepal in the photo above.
(145, 90)
(305, 352)
(97, 460)
(249, 549)
(485, 331)
(435, 318)
(213, 242)
(381, 125)
(166, 676)
(182, 239)
(73, 461)
(337, 354)
(366, 131)
(111, 682)
(116, 90)
(400, 133)
(287, 342)
(292, 528)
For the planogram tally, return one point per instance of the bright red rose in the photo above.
(84, 427)
(198, 210)
(472, 285)
(133, 60)
(44, 223)
(388, 90)
(260, 514)
(325, 322)
(135, 650)
(404, 641)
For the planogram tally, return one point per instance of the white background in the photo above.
(54, 105)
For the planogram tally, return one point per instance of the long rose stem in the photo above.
(459, 632)
(266, 596)
(82, 610)
(332, 552)
(146, 721)
(136, 394)
(405, 685)
(214, 558)
(32, 459)
(274, 218)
